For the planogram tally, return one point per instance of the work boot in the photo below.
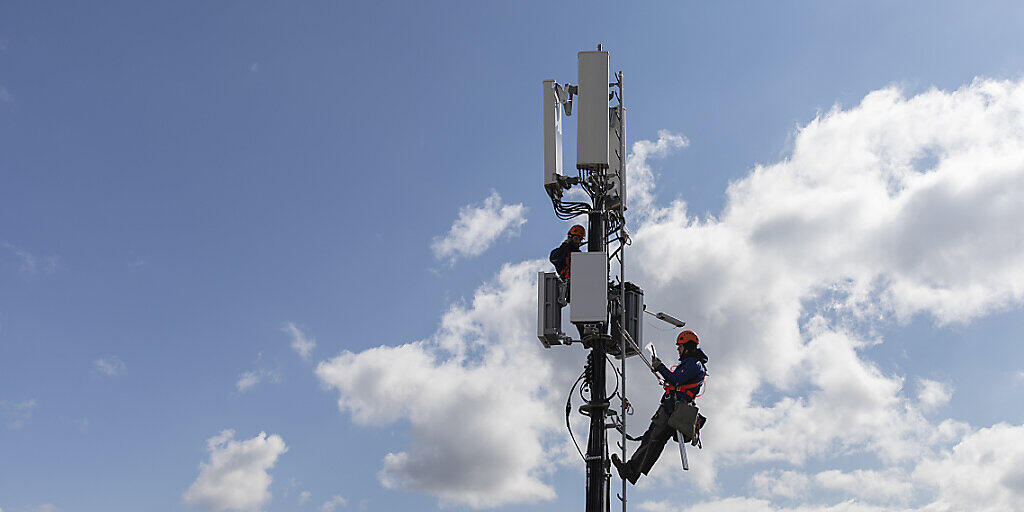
(624, 472)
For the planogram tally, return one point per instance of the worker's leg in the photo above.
(651, 442)
(659, 437)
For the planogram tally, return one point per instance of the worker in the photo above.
(561, 256)
(682, 384)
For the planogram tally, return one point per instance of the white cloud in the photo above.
(983, 472)
(304, 497)
(933, 394)
(5, 96)
(248, 380)
(896, 208)
(302, 344)
(787, 484)
(478, 227)
(884, 486)
(334, 503)
(46, 507)
(236, 477)
(109, 366)
(745, 504)
(501, 443)
(16, 414)
(640, 179)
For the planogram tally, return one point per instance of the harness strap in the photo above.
(684, 388)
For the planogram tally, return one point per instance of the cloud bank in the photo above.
(898, 207)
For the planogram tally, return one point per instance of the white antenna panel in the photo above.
(552, 133)
(592, 112)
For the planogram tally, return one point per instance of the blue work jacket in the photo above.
(691, 369)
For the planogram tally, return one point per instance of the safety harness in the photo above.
(685, 388)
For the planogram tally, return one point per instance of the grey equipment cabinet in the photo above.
(634, 318)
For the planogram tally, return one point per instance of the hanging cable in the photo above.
(568, 409)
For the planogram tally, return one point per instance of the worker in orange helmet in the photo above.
(561, 256)
(682, 384)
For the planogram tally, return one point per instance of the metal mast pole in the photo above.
(597, 443)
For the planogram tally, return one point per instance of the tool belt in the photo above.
(687, 420)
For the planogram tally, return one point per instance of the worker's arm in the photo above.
(688, 371)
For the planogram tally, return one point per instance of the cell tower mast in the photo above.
(607, 312)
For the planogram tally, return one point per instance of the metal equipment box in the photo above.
(552, 133)
(592, 111)
(549, 311)
(589, 287)
(634, 318)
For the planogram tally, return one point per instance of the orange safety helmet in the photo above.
(686, 337)
(578, 231)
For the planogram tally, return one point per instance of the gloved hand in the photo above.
(655, 362)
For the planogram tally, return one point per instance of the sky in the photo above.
(280, 257)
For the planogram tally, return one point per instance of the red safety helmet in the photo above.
(686, 337)
(578, 231)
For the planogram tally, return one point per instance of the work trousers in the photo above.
(652, 442)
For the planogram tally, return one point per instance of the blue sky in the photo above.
(179, 183)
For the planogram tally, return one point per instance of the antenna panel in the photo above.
(549, 311)
(592, 111)
(552, 134)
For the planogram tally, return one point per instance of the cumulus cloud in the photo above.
(933, 394)
(883, 486)
(236, 477)
(498, 449)
(302, 344)
(16, 414)
(479, 226)
(745, 504)
(334, 503)
(639, 176)
(304, 497)
(984, 471)
(898, 207)
(110, 366)
(787, 484)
